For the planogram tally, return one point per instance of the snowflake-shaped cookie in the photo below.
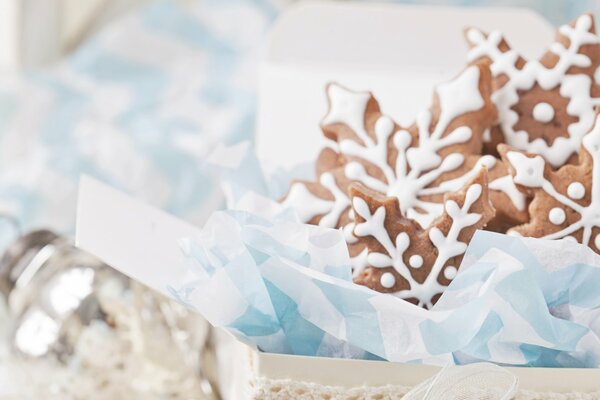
(417, 165)
(544, 106)
(413, 263)
(566, 202)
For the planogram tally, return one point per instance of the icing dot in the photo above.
(576, 190)
(384, 126)
(402, 139)
(474, 35)
(387, 280)
(450, 272)
(597, 241)
(416, 261)
(597, 75)
(557, 216)
(543, 112)
(354, 170)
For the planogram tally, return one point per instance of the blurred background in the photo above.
(135, 93)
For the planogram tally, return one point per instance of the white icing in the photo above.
(359, 262)
(557, 216)
(349, 108)
(576, 190)
(457, 97)
(597, 241)
(348, 235)
(387, 280)
(415, 261)
(575, 87)
(450, 272)
(529, 170)
(418, 166)
(454, 185)
(308, 206)
(340, 204)
(597, 75)
(331, 144)
(447, 246)
(543, 112)
(506, 185)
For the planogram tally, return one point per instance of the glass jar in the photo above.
(67, 305)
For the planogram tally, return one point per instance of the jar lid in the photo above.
(17, 257)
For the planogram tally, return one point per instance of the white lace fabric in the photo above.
(279, 389)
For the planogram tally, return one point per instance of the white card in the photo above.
(139, 240)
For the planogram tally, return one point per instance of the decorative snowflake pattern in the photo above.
(416, 264)
(566, 202)
(546, 106)
(417, 165)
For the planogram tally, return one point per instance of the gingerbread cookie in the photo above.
(545, 106)
(419, 164)
(413, 263)
(566, 202)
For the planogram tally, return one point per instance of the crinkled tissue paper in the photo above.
(286, 287)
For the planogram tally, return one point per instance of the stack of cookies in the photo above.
(509, 145)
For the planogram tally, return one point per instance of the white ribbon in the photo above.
(482, 381)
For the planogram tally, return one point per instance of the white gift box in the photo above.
(399, 53)
(120, 230)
